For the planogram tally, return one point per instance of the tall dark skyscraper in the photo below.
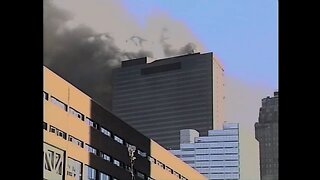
(267, 135)
(162, 97)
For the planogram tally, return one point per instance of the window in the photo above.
(76, 113)
(141, 153)
(52, 129)
(119, 140)
(140, 175)
(169, 169)
(128, 144)
(104, 176)
(151, 159)
(58, 103)
(105, 131)
(62, 134)
(183, 178)
(177, 174)
(91, 173)
(116, 162)
(75, 141)
(127, 168)
(74, 169)
(161, 68)
(161, 164)
(58, 132)
(45, 96)
(45, 125)
(91, 149)
(104, 156)
(91, 123)
(189, 155)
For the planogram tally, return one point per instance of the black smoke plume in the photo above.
(80, 55)
(86, 58)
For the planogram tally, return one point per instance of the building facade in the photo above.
(216, 156)
(164, 96)
(266, 131)
(83, 141)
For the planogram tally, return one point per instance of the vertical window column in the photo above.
(90, 173)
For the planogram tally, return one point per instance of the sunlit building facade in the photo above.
(217, 156)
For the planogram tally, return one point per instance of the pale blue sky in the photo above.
(243, 33)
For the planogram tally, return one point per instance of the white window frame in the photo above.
(105, 131)
(91, 172)
(103, 176)
(118, 139)
(91, 149)
(76, 113)
(58, 103)
(116, 162)
(91, 123)
(105, 156)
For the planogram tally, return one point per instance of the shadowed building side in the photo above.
(266, 132)
(82, 140)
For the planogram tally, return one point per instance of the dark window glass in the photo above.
(45, 125)
(45, 96)
(161, 68)
(76, 113)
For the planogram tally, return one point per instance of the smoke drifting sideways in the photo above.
(85, 55)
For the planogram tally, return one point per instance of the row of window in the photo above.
(215, 167)
(55, 130)
(222, 173)
(167, 168)
(79, 115)
(92, 150)
(219, 170)
(270, 171)
(274, 165)
(103, 130)
(75, 170)
(122, 80)
(216, 160)
(202, 154)
(222, 146)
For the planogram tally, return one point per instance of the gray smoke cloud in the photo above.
(187, 49)
(169, 51)
(85, 55)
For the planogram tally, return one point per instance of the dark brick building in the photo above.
(266, 132)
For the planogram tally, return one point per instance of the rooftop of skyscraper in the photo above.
(147, 60)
